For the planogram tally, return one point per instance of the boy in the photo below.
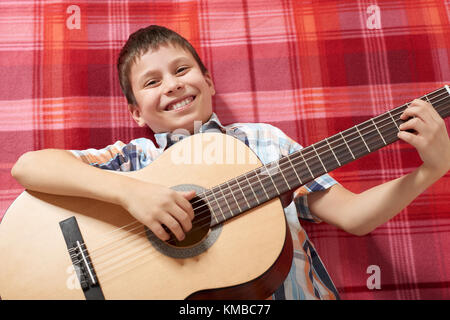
(168, 88)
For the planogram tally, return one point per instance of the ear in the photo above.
(210, 82)
(136, 114)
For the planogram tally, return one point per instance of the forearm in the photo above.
(59, 172)
(371, 208)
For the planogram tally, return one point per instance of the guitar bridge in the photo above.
(83, 265)
(80, 259)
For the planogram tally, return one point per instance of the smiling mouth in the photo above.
(180, 104)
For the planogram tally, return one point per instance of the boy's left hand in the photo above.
(430, 137)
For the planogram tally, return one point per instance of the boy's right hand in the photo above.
(155, 205)
(51, 171)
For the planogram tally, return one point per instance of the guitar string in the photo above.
(365, 134)
(208, 215)
(313, 151)
(100, 264)
(126, 261)
(324, 146)
(142, 255)
(266, 178)
(134, 259)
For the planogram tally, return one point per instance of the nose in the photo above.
(173, 84)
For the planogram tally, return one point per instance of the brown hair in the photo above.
(139, 42)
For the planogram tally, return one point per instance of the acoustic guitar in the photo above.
(59, 247)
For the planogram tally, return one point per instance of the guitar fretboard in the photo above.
(290, 172)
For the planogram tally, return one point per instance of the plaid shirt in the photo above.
(307, 278)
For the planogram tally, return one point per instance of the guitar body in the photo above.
(249, 258)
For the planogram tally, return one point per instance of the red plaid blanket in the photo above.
(311, 69)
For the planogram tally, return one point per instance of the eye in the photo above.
(151, 83)
(182, 70)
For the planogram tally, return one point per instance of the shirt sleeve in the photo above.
(288, 146)
(120, 156)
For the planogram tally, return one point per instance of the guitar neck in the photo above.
(290, 172)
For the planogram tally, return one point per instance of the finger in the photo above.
(173, 226)
(188, 194)
(431, 110)
(411, 138)
(159, 231)
(182, 217)
(416, 112)
(420, 109)
(184, 203)
(415, 124)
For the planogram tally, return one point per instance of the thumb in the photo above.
(188, 194)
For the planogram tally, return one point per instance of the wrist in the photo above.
(120, 194)
(429, 175)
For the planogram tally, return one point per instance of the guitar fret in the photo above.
(319, 158)
(289, 178)
(218, 205)
(232, 193)
(347, 146)
(326, 139)
(213, 210)
(257, 200)
(301, 167)
(379, 132)
(389, 112)
(390, 130)
(306, 164)
(362, 138)
(245, 198)
(357, 142)
(372, 135)
(293, 168)
(282, 175)
(270, 176)
(225, 199)
(327, 155)
(262, 186)
(340, 149)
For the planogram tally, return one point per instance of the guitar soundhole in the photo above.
(198, 239)
(200, 225)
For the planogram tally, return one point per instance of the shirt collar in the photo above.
(166, 139)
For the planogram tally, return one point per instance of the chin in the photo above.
(188, 121)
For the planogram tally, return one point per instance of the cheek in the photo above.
(148, 102)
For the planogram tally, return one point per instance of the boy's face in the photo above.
(170, 90)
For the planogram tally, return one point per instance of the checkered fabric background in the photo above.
(310, 68)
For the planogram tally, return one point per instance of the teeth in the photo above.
(179, 104)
